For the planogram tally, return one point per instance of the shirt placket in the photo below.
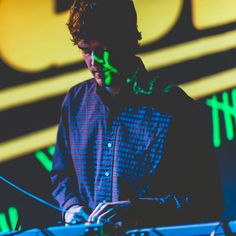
(108, 160)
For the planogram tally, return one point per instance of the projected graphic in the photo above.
(44, 159)
(108, 69)
(137, 89)
(229, 114)
(188, 43)
(12, 217)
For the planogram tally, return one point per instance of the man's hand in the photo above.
(120, 212)
(76, 215)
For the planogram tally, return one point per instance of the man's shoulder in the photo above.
(81, 89)
(175, 92)
(174, 99)
(87, 84)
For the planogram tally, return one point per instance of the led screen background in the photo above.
(191, 43)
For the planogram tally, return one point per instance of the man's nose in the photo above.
(96, 59)
(92, 59)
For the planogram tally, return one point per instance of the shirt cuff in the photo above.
(69, 203)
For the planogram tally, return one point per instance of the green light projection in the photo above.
(44, 159)
(51, 150)
(109, 69)
(13, 219)
(229, 113)
(3, 223)
(137, 88)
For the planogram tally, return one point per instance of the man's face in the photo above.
(105, 63)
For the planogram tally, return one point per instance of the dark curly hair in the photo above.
(113, 21)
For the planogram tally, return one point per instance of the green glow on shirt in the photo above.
(168, 88)
(106, 66)
(108, 78)
(13, 218)
(229, 113)
(138, 89)
(44, 160)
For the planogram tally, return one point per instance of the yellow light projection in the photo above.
(41, 139)
(28, 143)
(211, 84)
(54, 86)
(34, 38)
(212, 13)
(156, 18)
(39, 90)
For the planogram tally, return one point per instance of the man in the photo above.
(131, 149)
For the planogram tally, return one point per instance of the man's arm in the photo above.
(189, 167)
(64, 181)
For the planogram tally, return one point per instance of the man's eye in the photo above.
(99, 52)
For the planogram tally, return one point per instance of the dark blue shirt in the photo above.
(143, 147)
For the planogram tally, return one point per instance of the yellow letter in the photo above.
(211, 13)
(34, 37)
(157, 17)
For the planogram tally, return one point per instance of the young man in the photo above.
(130, 148)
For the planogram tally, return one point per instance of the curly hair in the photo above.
(113, 21)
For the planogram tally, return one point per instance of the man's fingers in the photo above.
(110, 211)
(94, 216)
(104, 209)
(103, 217)
(100, 208)
(110, 219)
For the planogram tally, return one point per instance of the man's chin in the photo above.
(101, 81)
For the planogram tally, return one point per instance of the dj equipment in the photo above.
(73, 230)
(204, 229)
(209, 229)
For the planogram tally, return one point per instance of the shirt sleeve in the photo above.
(188, 175)
(64, 181)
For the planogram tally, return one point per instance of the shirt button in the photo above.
(107, 174)
(109, 145)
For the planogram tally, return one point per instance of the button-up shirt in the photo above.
(133, 146)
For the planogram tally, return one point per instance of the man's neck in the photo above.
(113, 90)
(132, 68)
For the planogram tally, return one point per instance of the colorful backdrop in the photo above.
(191, 42)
